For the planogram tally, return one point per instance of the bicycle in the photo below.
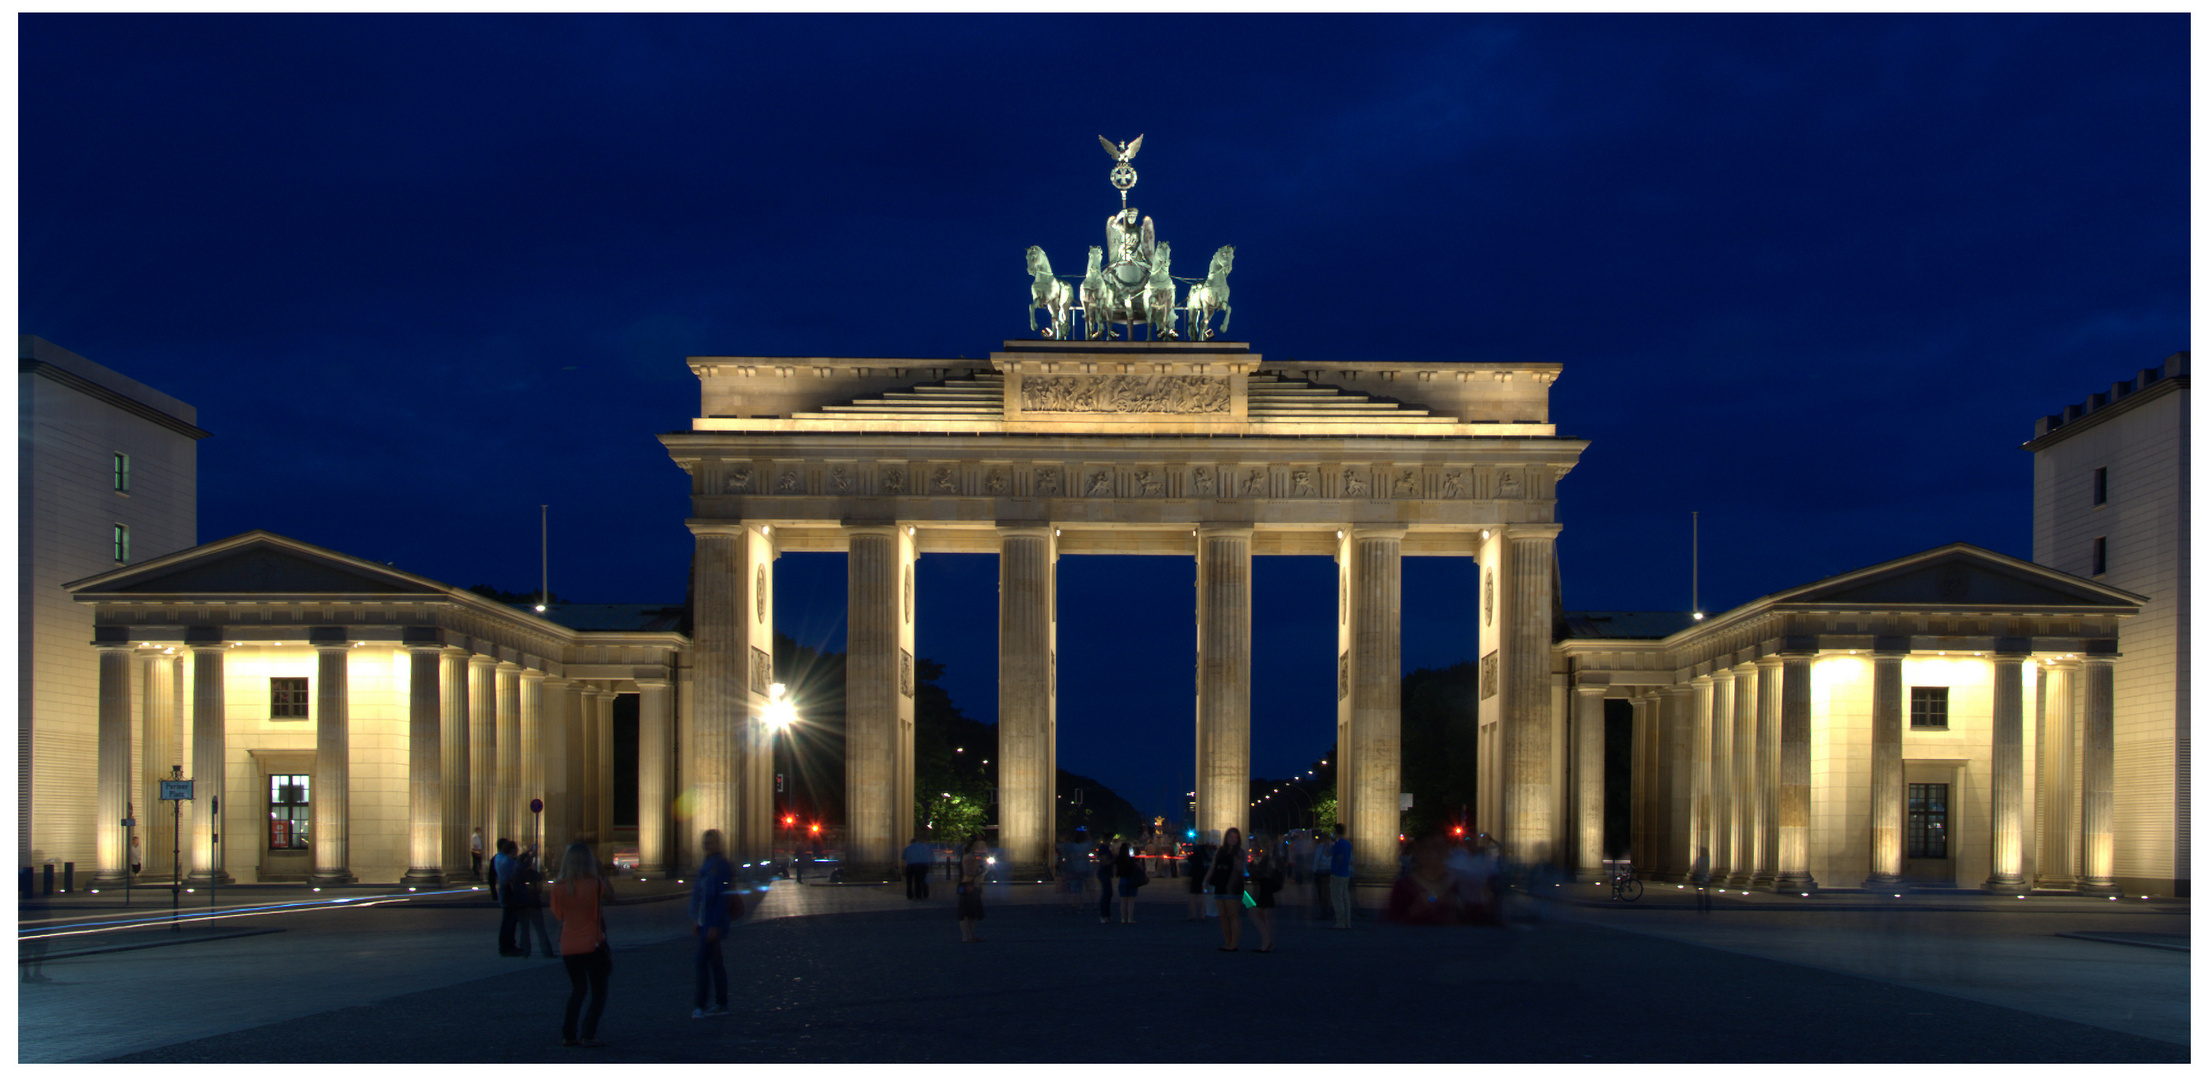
(1626, 887)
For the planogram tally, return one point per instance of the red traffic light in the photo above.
(790, 820)
(1459, 830)
(815, 828)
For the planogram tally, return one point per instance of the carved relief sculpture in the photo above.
(1409, 485)
(1253, 481)
(760, 594)
(1489, 675)
(1343, 675)
(1355, 485)
(995, 483)
(763, 671)
(942, 482)
(1509, 484)
(906, 673)
(1102, 483)
(1489, 594)
(789, 483)
(1301, 482)
(894, 481)
(741, 480)
(841, 482)
(1454, 487)
(1048, 481)
(907, 592)
(1148, 482)
(1125, 394)
(1203, 478)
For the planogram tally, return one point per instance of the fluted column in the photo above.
(1721, 821)
(1743, 751)
(1526, 717)
(160, 749)
(507, 785)
(114, 764)
(333, 758)
(1369, 715)
(872, 707)
(602, 771)
(1886, 817)
(530, 754)
(1768, 770)
(1701, 770)
(2096, 776)
(483, 689)
(1589, 750)
(208, 761)
(1642, 848)
(1027, 773)
(2007, 773)
(1794, 777)
(1224, 764)
(655, 733)
(733, 669)
(426, 796)
(1677, 706)
(453, 762)
(2059, 838)
(556, 752)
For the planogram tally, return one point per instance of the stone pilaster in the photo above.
(1224, 764)
(1368, 769)
(333, 757)
(1589, 751)
(161, 748)
(1027, 773)
(1768, 770)
(655, 733)
(2096, 776)
(1794, 777)
(1886, 819)
(507, 740)
(727, 774)
(453, 761)
(1721, 820)
(483, 688)
(110, 849)
(556, 752)
(2007, 774)
(1677, 705)
(592, 729)
(1743, 705)
(204, 854)
(874, 694)
(2058, 838)
(426, 795)
(1701, 771)
(530, 756)
(1525, 592)
(1642, 845)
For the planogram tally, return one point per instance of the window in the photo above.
(1931, 706)
(289, 816)
(123, 543)
(287, 699)
(1927, 816)
(2096, 490)
(2096, 557)
(123, 473)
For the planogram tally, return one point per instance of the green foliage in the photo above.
(1324, 811)
(951, 817)
(1436, 726)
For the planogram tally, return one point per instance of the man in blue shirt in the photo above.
(710, 916)
(917, 870)
(505, 871)
(1340, 878)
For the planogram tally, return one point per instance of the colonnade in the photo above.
(1723, 765)
(485, 736)
(732, 741)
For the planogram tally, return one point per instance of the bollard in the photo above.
(49, 879)
(29, 890)
(69, 877)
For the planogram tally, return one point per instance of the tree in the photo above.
(1436, 731)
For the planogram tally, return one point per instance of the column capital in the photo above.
(477, 659)
(1770, 660)
(453, 651)
(117, 646)
(651, 684)
(507, 667)
(422, 648)
(870, 528)
(533, 673)
(1596, 690)
(2098, 659)
(1245, 531)
(704, 527)
(1042, 529)
(1533, 530)
(1376, 532)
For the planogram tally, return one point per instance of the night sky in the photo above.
(1814, 277)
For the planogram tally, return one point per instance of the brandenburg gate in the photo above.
(1177, 444)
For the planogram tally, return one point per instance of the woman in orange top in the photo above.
(578, 896)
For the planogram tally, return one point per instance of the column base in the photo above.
(1738, 881)
(2098, 888)
(110, 879)
(1589, 875)
(423, 877)
(2060, 884)
(1795, 883)
(340, 876)
(1762, 880)
(1890, 883)
(650, 873)
(2006, 886)
(201, 879)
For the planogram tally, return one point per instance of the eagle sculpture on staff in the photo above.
(1121, 152)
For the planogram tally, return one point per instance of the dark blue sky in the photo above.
(1814, 277)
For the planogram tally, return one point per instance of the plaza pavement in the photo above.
(858, 973)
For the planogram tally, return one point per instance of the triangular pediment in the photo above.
(1960, 575)
(254, 564)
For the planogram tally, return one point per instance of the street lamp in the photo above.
(781, 714)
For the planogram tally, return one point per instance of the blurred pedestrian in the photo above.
(530, 885)
(1340, 878)
(1102, 859)
(917, 870)
(1129, 876)
(1267, 880)
(504, 893)
(579, 897)
(710, 923)
(1701, 872)
(972, 870)
(1322, 911)
(476, 852)
(1195, 865)
(1225, 879)
(1427, 893)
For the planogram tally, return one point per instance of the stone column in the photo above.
(426, 794)
(2007, 772)
(2059, 838)
(1369, 680)
(1027, 773)
(454, 769)
(507, 786)
(530, 754)
(872, 697)
(1886, 820)
(113, 867)
(2096, 776)
(208, 758)
(655, 730)
(733, 669)
(1224, 763)
(1701, 772)
(1589, 750)
(1743, 750)
(333, 757)
(483, 687)
(1768, 770)
(556, 752)
(1721, 820)
(585, 786)
(1642, 847)
(1794, 776)
(1526, 716)
(161, 749)
(1677, 708)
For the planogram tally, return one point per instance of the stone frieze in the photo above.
(1165, 394)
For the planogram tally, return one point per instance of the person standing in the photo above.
(916, 858)
(1129, 875)
(1225, 879)
(1201, 857)
(530, 886)
(1340, 878)
(579, 901)
(1267, 880)
(970, 888)
(1103, 868)
(476, 852)
(504, 867)
(710, 922)
(1322, 910)
(1701, 873)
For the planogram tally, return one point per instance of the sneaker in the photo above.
(698, 1014)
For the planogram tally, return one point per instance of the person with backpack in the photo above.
(710, 918)
(530, 903)
(579, 901)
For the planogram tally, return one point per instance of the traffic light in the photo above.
(790, 820)
(815, 828)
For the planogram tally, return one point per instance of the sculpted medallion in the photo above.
(894, 481)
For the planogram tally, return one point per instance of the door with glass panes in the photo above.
(1931, 843)
(287, 838)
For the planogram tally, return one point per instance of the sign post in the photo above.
(537, 825)
(214, 824)
(176, 791)
(130, 849)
